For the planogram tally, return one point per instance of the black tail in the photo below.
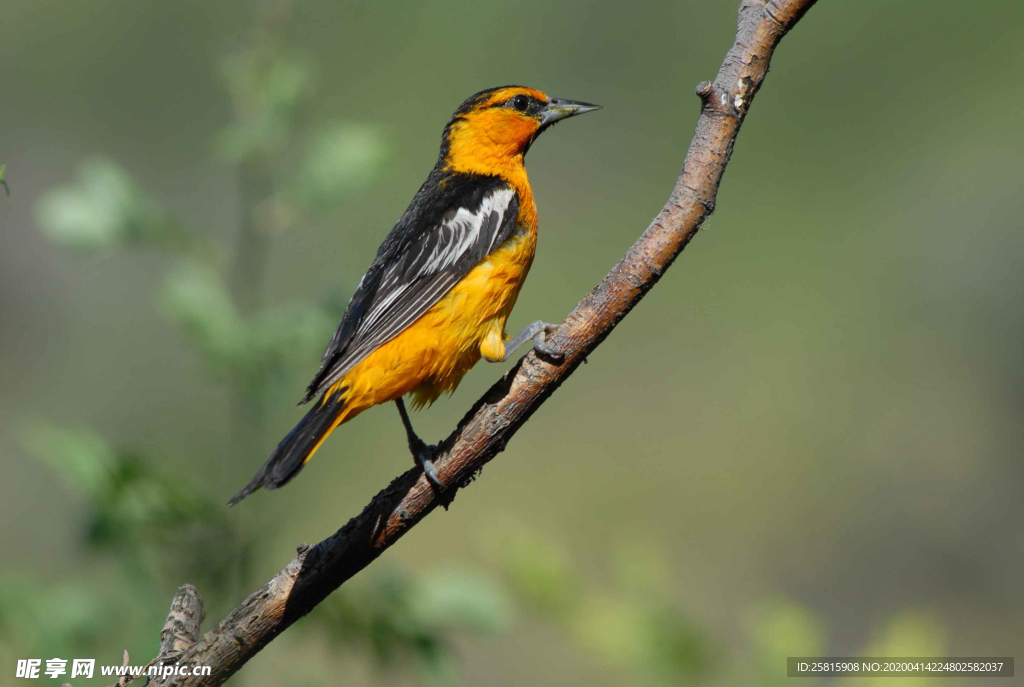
(295, 449)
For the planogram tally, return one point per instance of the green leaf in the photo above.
(536, 568)
(103, 209)
(779, 628)
(267, 90)
(159, 525)
(48, 616)
(289, 335)
(461, 599)
(3, 169)
(642, 568)
(195, 298)
(81, 457)
(613, 628)
(911, 632)
(287, 82)
(679, 648)
(117, 483)
(339, 160)
(399, 616)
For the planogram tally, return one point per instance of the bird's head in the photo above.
(495, 128)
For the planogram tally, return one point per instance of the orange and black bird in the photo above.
(439, 292)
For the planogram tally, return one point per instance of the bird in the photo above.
(436, 298)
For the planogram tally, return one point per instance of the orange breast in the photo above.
(432, 355)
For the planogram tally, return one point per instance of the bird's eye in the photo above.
(521, 102)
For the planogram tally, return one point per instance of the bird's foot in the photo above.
(543, 348)
(424, 453)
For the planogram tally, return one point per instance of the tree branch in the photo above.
(494, 419)
(181, 629)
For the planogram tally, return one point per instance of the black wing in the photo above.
(453, 222)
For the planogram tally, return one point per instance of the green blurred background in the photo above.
(806, 440)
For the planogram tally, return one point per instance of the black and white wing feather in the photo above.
(448, 228)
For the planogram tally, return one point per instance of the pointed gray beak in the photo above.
(558, 109)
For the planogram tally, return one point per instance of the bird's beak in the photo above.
(558, 109)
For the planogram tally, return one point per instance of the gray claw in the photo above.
(548, 351)
(541, 345)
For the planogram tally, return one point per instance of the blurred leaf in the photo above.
(67, 611)
(82, 457)
(537, 570)
(779, 628)
(911, 633)
(242, 140)
(286, 82)
(614, 629)
(404, 617)
(267, 89)
(3, 170)
(657, 640)
(637, 625)
(290, 334)
(134, 508)
(782, 627)
(123, 491)
(196, 299)
(342, 159)
(642, 568)
(54, 616)
(103, 209)
(460, 599)
(678, 647)
(252, 353)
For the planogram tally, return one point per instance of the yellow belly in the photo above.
(431, 356)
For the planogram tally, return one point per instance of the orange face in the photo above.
(493, 129)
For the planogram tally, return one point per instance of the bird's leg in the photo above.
(422, 452)
(537, 331)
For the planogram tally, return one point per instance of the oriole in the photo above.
(440, 290)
